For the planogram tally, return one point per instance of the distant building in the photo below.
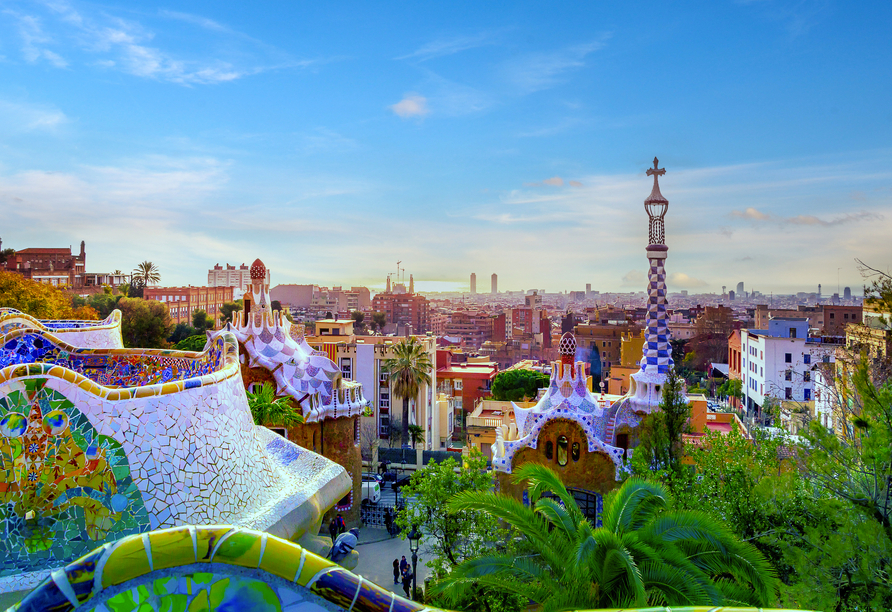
(474, 327)
(731, 295)
(740, 290)
(847, 293)
(469, 380)
(52, 266)
(230, 276)
(495, 283)
(473, 283)
(408, 312)
(182, 302)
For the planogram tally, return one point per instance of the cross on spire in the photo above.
(655, 172)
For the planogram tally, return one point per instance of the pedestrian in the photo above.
(388, 520)
(333, 529)
(407, 581)
(344, 545)
(342, 526)
(396, 571)
(404, 565)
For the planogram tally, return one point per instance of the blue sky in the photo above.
(332, 141)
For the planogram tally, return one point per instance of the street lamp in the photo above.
(414, 541)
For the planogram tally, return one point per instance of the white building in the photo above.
(780, 362)
(230, 276)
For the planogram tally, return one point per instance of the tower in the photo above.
(819, 291)
(473, 283)
(740, 290)
(495, 283)
(847, 293)
(411, 284)
(388, 284)
(656, 360)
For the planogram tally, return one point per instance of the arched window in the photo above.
(575, 451)
(549, 450)
(562, 444)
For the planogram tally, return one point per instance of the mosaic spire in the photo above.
(657, 358)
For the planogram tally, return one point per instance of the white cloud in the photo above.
(19, 116)
(683, 281)
(539, 71)
(554, 181)
(447, 46)
(412, 105)
(634, 278)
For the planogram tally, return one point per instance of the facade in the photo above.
(495, 283)
(779, 362)
(473, 327)
(473, 283)
(469, 380)
(407, 311)
(183, 302)
(57, 267)
(230, 276)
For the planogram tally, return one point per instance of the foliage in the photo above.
(518, 385)
(379, 320)
(192, 343)
(136, 289)
(103, 303)
(6, 255)
(228, 308)
(147, 273)
(201, 321)
(416, 434)
(181, 332)
(269, 410)
(409, 369)
(644, 554)
(711, 331)
(357, 316)
(731, 388)
(449, 537)
(144, 323)
(661, 445)
(39, 300)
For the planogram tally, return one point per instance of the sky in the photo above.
(332, 140)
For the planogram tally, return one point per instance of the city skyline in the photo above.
(509, 141)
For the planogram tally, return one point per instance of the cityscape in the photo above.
(265, 358)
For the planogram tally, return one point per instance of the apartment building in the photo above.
(182, 302)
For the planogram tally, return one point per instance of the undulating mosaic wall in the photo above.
(85, 334)
(154, 439)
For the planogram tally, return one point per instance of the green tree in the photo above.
(379, 320)
(181, 332)
(6, 255)
(518, 385)
(416, 433)
(227, 309)
(144, 323)
(269, 410)
(644, 554)
(103, 303)
(661, 445)
(449, 537)
(192, 343)
(147, 273)
(409, 370)
(201, 321)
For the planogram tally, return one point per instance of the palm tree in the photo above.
(645, 554)
(147, 272)
(409, 369)
(267, 409)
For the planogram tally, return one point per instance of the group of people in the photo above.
(336, 527)
(403, 572)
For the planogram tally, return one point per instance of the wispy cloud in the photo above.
(753, 214)
(448, 46)
(412, 105)
(324, 139)
(132, 47)
(26, 117)
(538, 71)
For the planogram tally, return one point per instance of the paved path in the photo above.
(377, 550)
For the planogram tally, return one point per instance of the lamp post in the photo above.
(414, 541)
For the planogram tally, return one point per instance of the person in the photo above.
(333, 529)
(388, 520)
(342, 526)
(404, 565)
(396, 571)
(407, 581)
(344, 545)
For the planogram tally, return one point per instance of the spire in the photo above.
(656, 206)
(655, 195)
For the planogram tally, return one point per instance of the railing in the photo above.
(490, 422)
(375, 515)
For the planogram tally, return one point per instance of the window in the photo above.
(788, 393)
(788, 357)
(792, 332)
(384, 399)
(347, 368)
(575, 451)
(383, 378)
(549, 450)
(826, 358)
(832, 316)
(788, 375)
(458, 384)
(384, 428)
(807, 393)
(806, 359)
(806, 376)
(562, 444)
(845, 316)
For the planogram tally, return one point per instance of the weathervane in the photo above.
(656, 206)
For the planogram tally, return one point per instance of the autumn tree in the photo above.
(39, 300)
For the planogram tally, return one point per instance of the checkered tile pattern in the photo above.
(657, 358)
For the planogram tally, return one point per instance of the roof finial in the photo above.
(656, 172)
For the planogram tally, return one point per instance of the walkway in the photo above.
(377, 550)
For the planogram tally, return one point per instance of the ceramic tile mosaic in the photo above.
(193, 451)
(270, 341)
(85, 334)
